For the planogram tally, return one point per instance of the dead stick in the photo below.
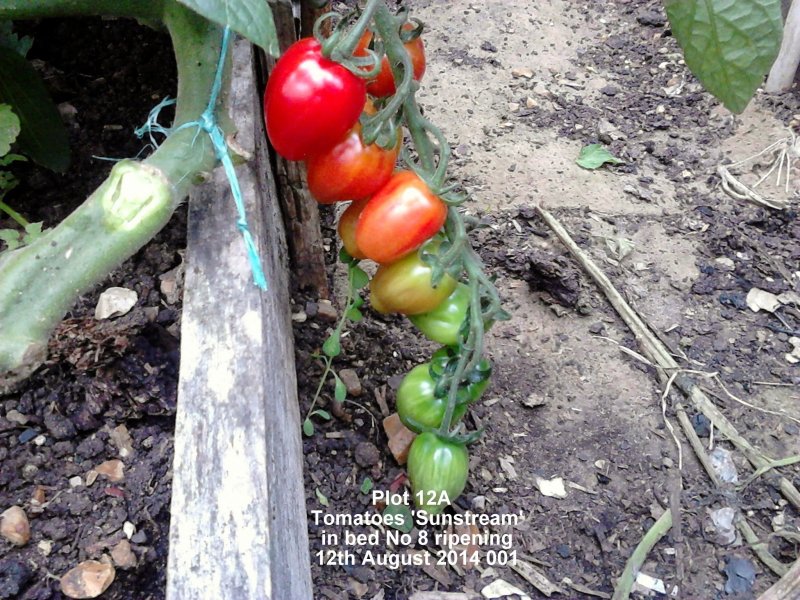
(758, 547)
(660, 355)
(787, 588)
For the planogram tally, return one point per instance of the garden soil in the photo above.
(519, 88)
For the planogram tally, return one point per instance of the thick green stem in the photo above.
(21, 221)
(41, 282)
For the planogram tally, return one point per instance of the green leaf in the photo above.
(9, 127)
(344, 257)
(366, 485)
(250, 18)
(403, 520)
(323, 499)
(33, 231)
(332, 347)
(728, 45)
(322, 413)
(595, 156)
(43, 137)
(308, 427)
(354, 314)
(358, 277)
(339, 389)
(11, 238)
(10, 40)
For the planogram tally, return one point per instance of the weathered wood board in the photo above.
(238, 526)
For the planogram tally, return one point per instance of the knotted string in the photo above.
(208, 123)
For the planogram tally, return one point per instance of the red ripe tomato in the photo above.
(350, 170)
(383, 85)
(310, 102)
(347, 228)
(399, 218)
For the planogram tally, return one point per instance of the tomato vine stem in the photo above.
(459, 259)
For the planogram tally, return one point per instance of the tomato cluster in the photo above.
(312, 107)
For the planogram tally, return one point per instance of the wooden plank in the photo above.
(238, 526)
(300, 210)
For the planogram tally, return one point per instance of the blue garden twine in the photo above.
(208, 123)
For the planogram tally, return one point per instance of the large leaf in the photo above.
(728, 44)
(9, 39)
(43, 137)
(250, 18)
(9, 128)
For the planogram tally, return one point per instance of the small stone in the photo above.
(540, 89)
(121, 438)
(39, 440)
(651, 17)
(91, 477)
(367, 454)
(29, 471)
(113, 470)
(488, 47)
(609, 90)
(171, 284)
(123, 556)
(521, 72)
(513, 106)
(128, 529)
(299, 317)
(596, 328)
(16, 417)
(139, 537)
(724, 263)
(530, 102)
(76, 481)
(400, 437)
(311, 309)
(326, 311)
(115, 302)
(27, 435)
(87, 580)
(351, 382)
(45, 547)
(479, 503)
(15, 527)
(667, 462)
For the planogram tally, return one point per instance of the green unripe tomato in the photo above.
(443, 323)
(416, 399)
(437, 470)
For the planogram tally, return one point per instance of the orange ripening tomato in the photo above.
(399, 218)
(383, 84)
(406, 287)
(350, 170)
(347, 228)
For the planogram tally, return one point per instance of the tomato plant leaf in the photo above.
(9, 128)
(354, 314)
(332, 347)
(595, 156)
(323, 499)
(42, 137)
(729, 46)
(402, 521)
(10, 40)
(322, 413)
(339, 389)
(366, 485)
(359, 277)
(308, 427)
(250, 18)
